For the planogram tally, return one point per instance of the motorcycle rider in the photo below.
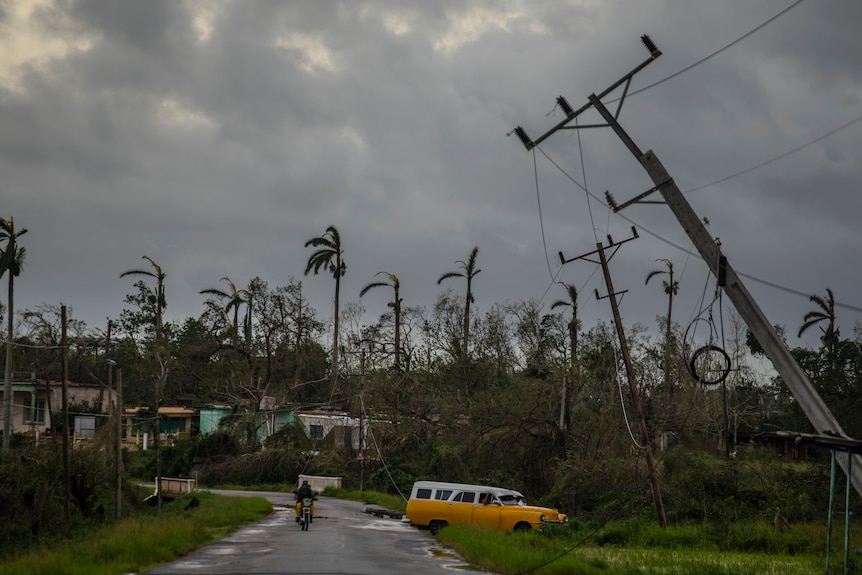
(304, 492)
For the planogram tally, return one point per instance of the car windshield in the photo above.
(511, 500)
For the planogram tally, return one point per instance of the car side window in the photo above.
(423, 494)
(465, 497)
(444, 494)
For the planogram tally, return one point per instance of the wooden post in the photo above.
(118, 402)
(633, 386)
(67, 482)
(362, 421)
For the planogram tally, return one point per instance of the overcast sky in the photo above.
(216, 137)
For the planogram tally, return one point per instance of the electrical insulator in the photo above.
(650, 45)
(525, 139)
(565, 107)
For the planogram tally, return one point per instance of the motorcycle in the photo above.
(305, 514)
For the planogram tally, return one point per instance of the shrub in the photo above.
(32, 492)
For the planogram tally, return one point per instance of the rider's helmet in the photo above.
(304, 482)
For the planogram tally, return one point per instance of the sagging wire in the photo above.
(709, 364)
(610, 516)
(623, 401)
(542, 222)
(379, 452)
(774, 158)
(583, 172)
(555, 277)
(688, 250)
(26, 406)
(317, 438)
(29, 346)
(716, 52)
(584, 176)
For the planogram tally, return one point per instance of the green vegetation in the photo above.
(143, 541)
(721, 523)
(639, 547)
(516, 394)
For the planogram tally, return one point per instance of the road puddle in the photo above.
(453, 560)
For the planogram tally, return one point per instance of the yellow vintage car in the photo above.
(436, 504)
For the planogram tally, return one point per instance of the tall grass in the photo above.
(637, 547)
(138, 543)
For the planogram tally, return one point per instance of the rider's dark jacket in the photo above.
(304, 492)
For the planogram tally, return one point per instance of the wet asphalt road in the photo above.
(342, 540)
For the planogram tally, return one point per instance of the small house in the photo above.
(175, 422)
(37, 407)
(335, 429)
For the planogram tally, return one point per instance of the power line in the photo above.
(542, 220)
(778, 157)
(555, 277)
(681, 248)
(719, 51)
(584, 176)
(795, 292)
(17, 344)
(726, 178)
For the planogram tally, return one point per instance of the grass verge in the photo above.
(691, 550)
(276, 487)
(134, 544)
(386, 500)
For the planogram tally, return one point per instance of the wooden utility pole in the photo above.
(119, 445)
(361, 455)
(67, 481)
(630, 371)
(633, 386)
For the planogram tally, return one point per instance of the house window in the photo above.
(85, 426)
(35, 413)
(315, 431)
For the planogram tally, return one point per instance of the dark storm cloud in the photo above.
(217, 137)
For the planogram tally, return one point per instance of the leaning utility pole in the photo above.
(630, 373)
(794, 377)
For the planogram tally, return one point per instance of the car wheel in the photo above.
(523, 527)
(436, 526)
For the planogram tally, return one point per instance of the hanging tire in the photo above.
(722, 372)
